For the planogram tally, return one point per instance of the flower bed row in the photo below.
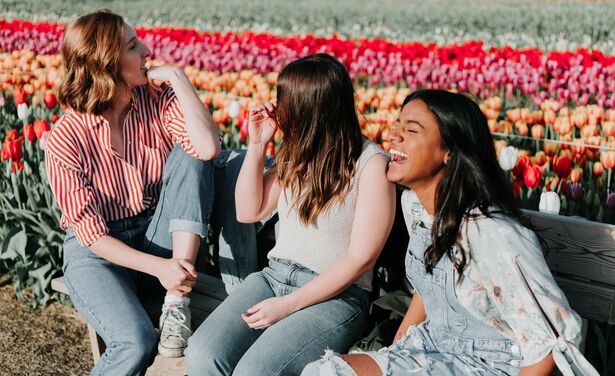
(580, 77)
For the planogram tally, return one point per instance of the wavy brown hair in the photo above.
(322, 138)
(91, 49)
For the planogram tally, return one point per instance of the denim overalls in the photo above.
(451, 341)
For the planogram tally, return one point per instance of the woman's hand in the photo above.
(262, 124)
(177, 276)
(157, 78)
(267, 312)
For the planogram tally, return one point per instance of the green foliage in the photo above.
(30, 238)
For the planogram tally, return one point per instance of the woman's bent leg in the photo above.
(223, 338)
(185, 201)
(105, 295)
(179, 222)
(290, 344)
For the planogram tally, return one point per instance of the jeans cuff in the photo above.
(185, 225)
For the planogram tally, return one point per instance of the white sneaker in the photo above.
(175, 329)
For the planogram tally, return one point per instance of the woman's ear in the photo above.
(446, 157)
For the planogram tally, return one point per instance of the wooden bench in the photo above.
(581, 256)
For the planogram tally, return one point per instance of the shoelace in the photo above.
(173, 321)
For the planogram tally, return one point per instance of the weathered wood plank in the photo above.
(591, 300)
(166, 367)
(578, 247)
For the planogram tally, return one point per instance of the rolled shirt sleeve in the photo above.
(173, 121)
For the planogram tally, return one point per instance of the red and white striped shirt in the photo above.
(92, 183)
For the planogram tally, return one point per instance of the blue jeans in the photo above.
(105, 294)
(237, 242)
(224, 344)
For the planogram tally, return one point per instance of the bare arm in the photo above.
(200, 127)
(176, 275)
(414, 316)
(257, 193)
(372, 222)
(542, 368)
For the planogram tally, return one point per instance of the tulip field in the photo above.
(551, 110)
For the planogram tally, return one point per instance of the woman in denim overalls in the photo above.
(485, 302)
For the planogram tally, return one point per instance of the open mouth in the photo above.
(398, 156)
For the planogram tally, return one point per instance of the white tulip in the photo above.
(22, 111)
(549, 203)
(42, 142)
(234, 108)
(508, 158)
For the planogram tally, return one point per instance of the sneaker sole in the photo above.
(170, 353)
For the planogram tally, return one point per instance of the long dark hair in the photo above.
(321, 133)
(472, 176)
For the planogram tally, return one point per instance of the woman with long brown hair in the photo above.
(134, 205)
(335, 209)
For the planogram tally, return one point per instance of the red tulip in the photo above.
(522, 163)
(6, 153)
(517, 185)
(28, 132)
(41, 126)
(20, 96)
(11, 135)
(50, 99)
(271, 149)
(17, 166)
(532, 177)
(14, 150)
(562, 166)
(54, 118)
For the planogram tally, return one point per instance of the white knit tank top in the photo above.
(322, 243)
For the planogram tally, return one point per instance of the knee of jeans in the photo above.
(137, 353)
(146, 345)
(203, 357)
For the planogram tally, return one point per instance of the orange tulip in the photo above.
(28, 132)
(513, 115)
(608, 159)
(540, 159)
(538, 131)
(550, 148)
(522, 129)
(576, 176)
(549, 117)
(598, 169)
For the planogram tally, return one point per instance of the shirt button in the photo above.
(514, 363)
(514, 349)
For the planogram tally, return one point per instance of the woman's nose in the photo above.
(394, 134)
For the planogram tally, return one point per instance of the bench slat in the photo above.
(591, 300)
(578, 247)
